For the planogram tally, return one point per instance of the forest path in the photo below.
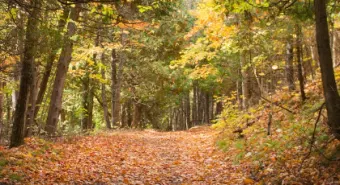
(131, 157)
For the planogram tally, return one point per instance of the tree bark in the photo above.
(17, 137)
(289, 64)
(117, 85)
(194, 104)
(137, 115)
(245, 81)
(104, 99)
(187, 110)
(327, 72)
(1, 110)
(50, 60)
(113, 85)
(207, 108)
(63, 63)
(299, 62)
(32, 103)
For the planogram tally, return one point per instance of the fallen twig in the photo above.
(313, 136)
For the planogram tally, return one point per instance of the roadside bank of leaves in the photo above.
(280, 139)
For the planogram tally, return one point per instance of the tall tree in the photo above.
(17, 137)
(50, 59)
(63, 63)
(299, 59)
(289, 63)
(327, 72)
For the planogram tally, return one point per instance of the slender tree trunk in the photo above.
(335, 47)
(9, 112)
(129, 115)
(245, 81)
(194, 104)
(86, 102)
(310, 67)
(117, 85)
(32, 103)
(299, 61)
(1, 110)
(17, 137)
(137, 115)
(327, 72)
(289, 64)
(207, 108)
(63, 63)
(50, 60)
(88, 87)
(187, 110)
(104, 99)
(113, 84)
(20, 49)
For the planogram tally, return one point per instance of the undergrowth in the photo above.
(296, 150)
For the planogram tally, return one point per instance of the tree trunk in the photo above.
(310, 67)
(299, 61)
(219, 108)
(245, 81)
(117, 85)
(129, 115)
(187, 110)
(113, 85)
(50, 60)
(289, 64)
(32, 103)
(1, 110)
(20, 49)
(104, 99)
(207, 108)
(88, 86)
(137, 115)
(17, 137)
(63, 63)
(194, 104)
(327, 72)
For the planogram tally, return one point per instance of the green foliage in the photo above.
(15, 177)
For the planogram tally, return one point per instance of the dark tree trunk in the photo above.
(50, 60)
(63, 63)
(194, 104)
(2, 125)
(17, 137)
(20, 49)
(219, 108)
(245, 81)
(32, 103)
(118, 80)
(87, 103)
(325, 58)
(207, 108)
(289, 64)
(113, 85)
(88, 86)
(129, 113)
(104, 99)
(137, 115)
(299, 62)
(123, 116)
(187, 110)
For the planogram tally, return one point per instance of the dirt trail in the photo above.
(130, 157)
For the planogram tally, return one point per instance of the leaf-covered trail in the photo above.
(127, 157)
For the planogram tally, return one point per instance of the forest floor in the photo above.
(123, 157)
